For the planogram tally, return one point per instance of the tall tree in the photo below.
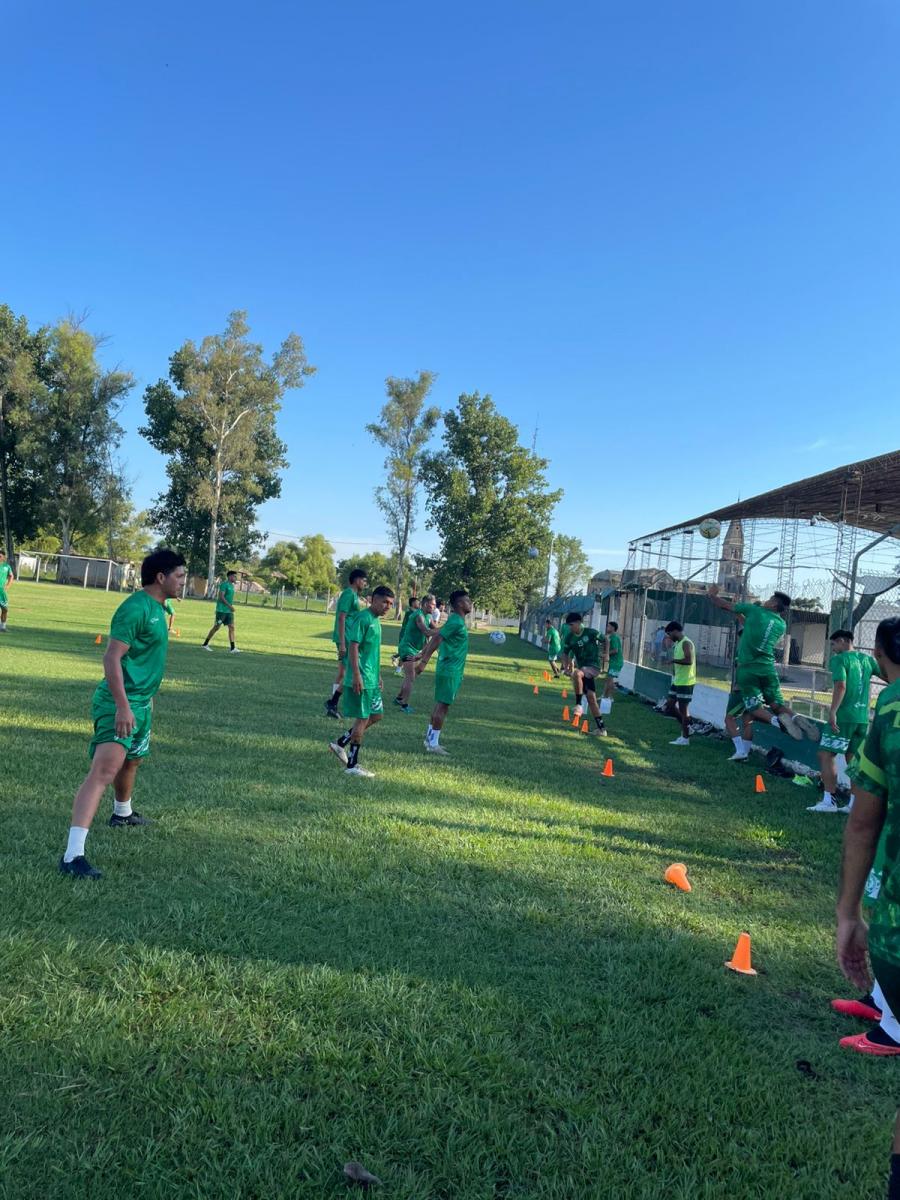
(488, 499)
(573, 568)
(403, 429)
(23, 356)
(73, 434)
(215, 417)
(307, 564)
(378, 567)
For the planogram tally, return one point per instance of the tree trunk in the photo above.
(401, 559)
(213, 534)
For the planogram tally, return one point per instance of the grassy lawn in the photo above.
(465, 973)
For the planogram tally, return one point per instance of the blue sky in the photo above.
(666, 234)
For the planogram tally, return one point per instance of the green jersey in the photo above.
(763, 630)
(169, 607)
(616, 657)
(855, 670)
(454, 644)
(584, 647)
(877, 770)
(685, 673)
(412, 639)
(6, 573)
(554, 641)
(364, 628)
(140, 622)
(225, 594)
(349, 603)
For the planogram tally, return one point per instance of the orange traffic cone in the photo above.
(565, 694)
(178, 633)
(677, 876)
(740, 960)
(546, 677)
(535, 689)
(576, 721)
(566, 713)
(760, 784)
(608, 769)
(584, 727)
(98, 640)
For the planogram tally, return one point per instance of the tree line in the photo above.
(214, 417)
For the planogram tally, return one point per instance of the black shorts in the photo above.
(589, 684)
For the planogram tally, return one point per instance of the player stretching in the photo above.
(364, 701)
(7, 576)
(122, 707)
(348, 603)
(756, 678)
(738, 722)
(848, 719)
(553, 642)
(224, 612)
(684, 677)
(412, 641)
(453, 640)
(616, 661)
(582, 648)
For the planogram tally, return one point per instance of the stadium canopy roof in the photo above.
(865, 494)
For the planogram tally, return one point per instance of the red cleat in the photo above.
(861, 1043)
(856, 1008)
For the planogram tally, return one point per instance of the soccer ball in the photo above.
(709, 527)
(498, 637)
(533, 552)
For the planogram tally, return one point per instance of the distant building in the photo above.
(731, 564)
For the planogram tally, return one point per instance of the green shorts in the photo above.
(681, 691)
(758, 686)
(552, 656)
(446, 685)
(369, 703)
(224, 618)
(614, 670)
(4, 601)
(735, 705)
(848, 740)
(103, 714)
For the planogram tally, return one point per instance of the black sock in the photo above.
(335, 696)
(232, 645)
(206, 642)
(894, 1185)
(344, 739)
(599, 721)
(353, 755)
(877, 1035)
(578, 699)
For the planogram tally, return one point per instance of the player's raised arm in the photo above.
(713, 592)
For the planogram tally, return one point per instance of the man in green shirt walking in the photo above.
(553, 642)
(224, 612)
(364, 701)
(7, 576)
(348, 603)
(615, 662)
(122, 708)
(453, 640)
(582, 650)
(413, 637)
(848, 717)
(684, 677)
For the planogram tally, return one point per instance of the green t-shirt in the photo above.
(348, 602)
(877, 769)
(763, 630)
(616, 658)
(412, 639)
(454, 644)
(169, 607)
(554, 641)
(854, 669)
(584, 647)
(226, 592)
(140, 622)
(6, 572)
(364, 628)
(685, 673)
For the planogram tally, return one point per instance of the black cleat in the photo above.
(134, 819)
(331, 711)
(80, 868)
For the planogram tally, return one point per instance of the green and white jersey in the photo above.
(553, 640)
(855, 670)
(364, 628)
(412, 639)
(454, 647)
(349, 603)
(877, 770)
(140, 622)
(763, 630)
(585, 647)
(225, 593)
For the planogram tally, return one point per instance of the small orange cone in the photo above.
(565, 694)
(566, 713)
(608, 769)
(740, 960)
(575, 721)
(760, 786)
(677, 876)
(535, 689)
(584, 726)
(98, 640)
(178, 633)
(546, 677)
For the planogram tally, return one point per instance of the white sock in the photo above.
(435, 737)
(738, 744)
(828, 796)
(429, 733)
(75, 848)
(123, 809)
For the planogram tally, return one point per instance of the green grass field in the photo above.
(465, 973)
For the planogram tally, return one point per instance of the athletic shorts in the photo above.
(4, 600)
(405, 658)
(552, 656)
(735, 706)
(224, 618)
(446, 685)
(848, 740)
(103, 713)
(615, 671)
(681, 691)
(758, 686)
(589, 683)
(369, 703)
(888, 977)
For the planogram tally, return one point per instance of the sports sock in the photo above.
(429, 733)
(123, 808)
(828, 796)
(578, 699)
(206, 641)
(232, 643)
(75, 847)
(353, 756)
(880, 1037)
(894, 1184)
(435, 737)
(738, 744)
(599, 721)
(335, 696)
(344, 739)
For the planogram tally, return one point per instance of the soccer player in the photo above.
(582, 648)
(224, 612)
(413, 637)
(741, 734)
(756, 678)
(413, 606)
(122, 707)
(848, 718)
(170, 609)
(616, 661)
(876, 807)
(7, 577)
(453, 640)
(348, 603)
(553, 642)
(364, 701)
(684, 677)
